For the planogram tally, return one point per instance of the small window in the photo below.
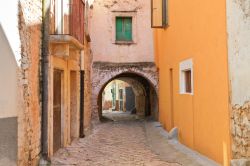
(186, 77)
(188, 84)
(123, 28)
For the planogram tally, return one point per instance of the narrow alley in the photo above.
(124, 139)
(124, 83)
(111, 143)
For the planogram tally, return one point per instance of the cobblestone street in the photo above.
(113, 143)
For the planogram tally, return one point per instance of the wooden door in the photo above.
(73, 105)
(57, 110)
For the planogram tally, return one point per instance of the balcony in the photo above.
(67, 20)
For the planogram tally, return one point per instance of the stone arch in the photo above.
(104, 72)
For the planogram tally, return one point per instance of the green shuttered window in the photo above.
(123, 28)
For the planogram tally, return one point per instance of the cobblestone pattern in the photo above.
(240, 129)
(120, 143)
(30, 21)
(103, 72)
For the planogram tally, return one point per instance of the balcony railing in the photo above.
(67, 18)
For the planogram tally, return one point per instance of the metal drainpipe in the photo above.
(44, 78)
(82, 74)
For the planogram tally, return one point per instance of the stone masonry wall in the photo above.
(87, 88)
(29, 127)
(240, 129)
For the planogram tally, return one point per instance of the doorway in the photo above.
(130, 99)
(57, 109)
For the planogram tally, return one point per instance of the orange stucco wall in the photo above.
(197, 30)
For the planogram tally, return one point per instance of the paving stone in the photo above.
(120, 143)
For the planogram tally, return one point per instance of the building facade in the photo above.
(119, 95)
(66, 41)
(122, 47)
(45, 78)
(20, 105)
(202, 59)
(66, 64)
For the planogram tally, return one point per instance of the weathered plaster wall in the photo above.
(19, 99)
(87, 87)
(238, 28)
(102, 31)
(29, 118)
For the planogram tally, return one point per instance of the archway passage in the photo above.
(128, 94)
(143, 73)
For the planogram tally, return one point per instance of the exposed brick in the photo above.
(240, 129)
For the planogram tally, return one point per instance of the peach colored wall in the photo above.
(102, 31)
(197, 31)
(66, 65)
(238, 29)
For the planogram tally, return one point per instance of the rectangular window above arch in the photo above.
(123, 28)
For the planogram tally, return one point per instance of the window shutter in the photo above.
(123, 28)
(158, 13)
(119, 28)
(128, 29)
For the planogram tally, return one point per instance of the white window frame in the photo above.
(184, 66)
(61, 9)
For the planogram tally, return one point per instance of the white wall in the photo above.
(102, 31)
(107, 90)
(8, 79)
(9, 22)
(9, 58)
(238, 27)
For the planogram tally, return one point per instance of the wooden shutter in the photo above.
(128, 28)
(119, 35)
(123, 28)
(158, 13)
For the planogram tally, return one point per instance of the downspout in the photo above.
(45, 78)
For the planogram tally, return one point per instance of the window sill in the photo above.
(124, 42)
(185, 93)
